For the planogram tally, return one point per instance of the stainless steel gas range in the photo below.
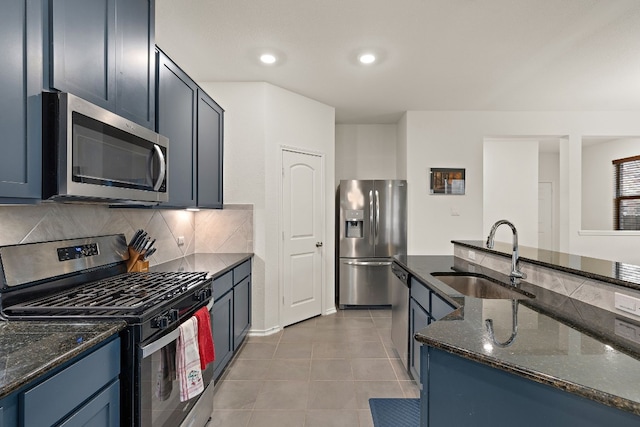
(86, 279)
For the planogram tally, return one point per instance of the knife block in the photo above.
(135, 264)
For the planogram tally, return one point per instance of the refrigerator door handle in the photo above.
(369, 263)
(371, 218)
(377, 215)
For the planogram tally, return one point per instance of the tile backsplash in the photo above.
(227, 230)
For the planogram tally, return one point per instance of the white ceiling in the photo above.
(435, 54)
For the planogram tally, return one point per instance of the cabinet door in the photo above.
(418, 319)
(9, 411)
(241, 311)
(210, 150)
(176, 119)
(20, 103)
(83, 49)
(45, 405)
(135, 61)
(101, 411)
(222, 329)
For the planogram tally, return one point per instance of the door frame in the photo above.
(323, 258)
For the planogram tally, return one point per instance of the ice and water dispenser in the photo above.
(354, 223)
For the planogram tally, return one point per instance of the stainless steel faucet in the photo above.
(515, 270)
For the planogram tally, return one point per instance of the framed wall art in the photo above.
(447, 181)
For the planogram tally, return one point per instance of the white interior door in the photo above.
(303, 228)
(545, 215)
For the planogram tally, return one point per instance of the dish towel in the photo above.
(205, 338)
(188, 361)
(166, 372)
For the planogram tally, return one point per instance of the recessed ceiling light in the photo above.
(367, 58)
(268, 58)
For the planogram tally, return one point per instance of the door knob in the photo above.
(318, 244)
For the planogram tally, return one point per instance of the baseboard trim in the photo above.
(332, 310)
(264, 332)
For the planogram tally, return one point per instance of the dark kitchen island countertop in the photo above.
(560, 342)
(215, 264)
(30, 349)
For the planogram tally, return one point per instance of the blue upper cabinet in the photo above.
(103, 51)
(210, 146)
(177, 105)
(193, 122)
(20, 102)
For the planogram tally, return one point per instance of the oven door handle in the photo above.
(151, 348)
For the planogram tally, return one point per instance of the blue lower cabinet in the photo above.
(418, 319)
(85, 392)
(66, 393)
(462, 392)
(241, 311)
(222, 328)
(101, 411)
(9, 411)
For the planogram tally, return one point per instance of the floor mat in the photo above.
(395, 412)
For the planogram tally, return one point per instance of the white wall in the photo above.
(365, 152)
(295, 121)
(549, 171)
(401, 149)
(597, 179)
(510, 188)
(455, 138)
(259, 119)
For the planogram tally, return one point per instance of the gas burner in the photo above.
(128, 293)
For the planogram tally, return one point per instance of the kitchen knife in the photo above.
(139, 240)
(146, 255)
(149, 245)
(142, 243)
(135, 237)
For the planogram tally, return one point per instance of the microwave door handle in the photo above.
(163, 168)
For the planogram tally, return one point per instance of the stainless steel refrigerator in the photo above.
(372, 227)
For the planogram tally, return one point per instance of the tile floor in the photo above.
(320, 372)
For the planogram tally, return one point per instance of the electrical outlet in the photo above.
(181, 241)
(627, 303)
(472, 255)
(627, 330)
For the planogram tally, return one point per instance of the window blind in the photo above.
(627, 193)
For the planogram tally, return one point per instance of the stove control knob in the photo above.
(161, 322)
(202, 295)
(173, 315)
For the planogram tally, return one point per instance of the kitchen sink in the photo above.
(480, 286)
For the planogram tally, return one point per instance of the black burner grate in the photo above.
(127, 293)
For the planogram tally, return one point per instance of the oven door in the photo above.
(159, 389)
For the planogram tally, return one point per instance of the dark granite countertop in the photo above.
(216, 264)
(29, 350)
(560, 342)
(618, 273)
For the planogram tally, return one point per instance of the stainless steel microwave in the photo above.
(91, 154)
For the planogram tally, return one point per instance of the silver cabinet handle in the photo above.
(163, 168)
(372, 263)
